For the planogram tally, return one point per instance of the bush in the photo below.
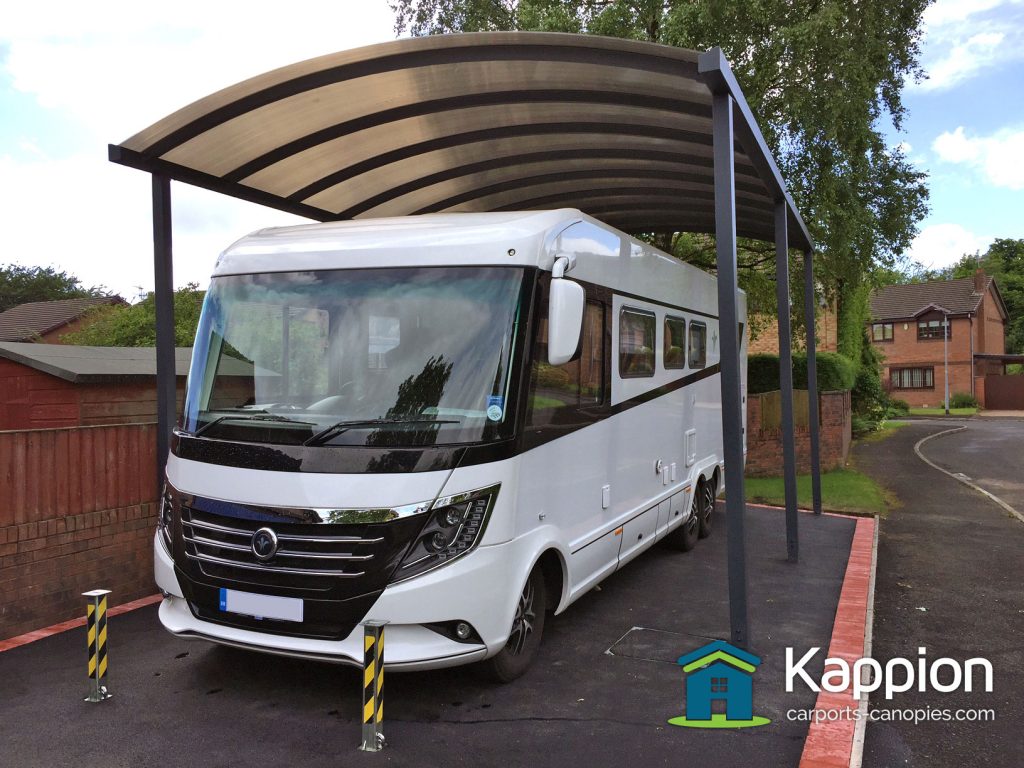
(552, 377)
(835, 372)
(861, 425)
(898, 408)
(963, 400)
(868, 399)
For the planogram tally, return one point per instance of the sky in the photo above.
(75, 77)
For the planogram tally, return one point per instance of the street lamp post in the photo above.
(945, 354)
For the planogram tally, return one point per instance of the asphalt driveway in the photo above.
(179, 703)
(990, 452)
(950, 580)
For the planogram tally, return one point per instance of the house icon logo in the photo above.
(719, 672)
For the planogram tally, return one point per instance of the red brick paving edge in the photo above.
(64, 626)
(833, 744)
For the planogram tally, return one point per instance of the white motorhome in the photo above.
(454, 423)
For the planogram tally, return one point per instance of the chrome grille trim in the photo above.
(216, 541)
(281, 536)
(270, 568)
(204, 542)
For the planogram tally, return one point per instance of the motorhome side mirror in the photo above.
(565, 320)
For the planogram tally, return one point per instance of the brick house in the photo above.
(50, 321)
(907, 328)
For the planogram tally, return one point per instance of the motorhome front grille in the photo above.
(222, 547)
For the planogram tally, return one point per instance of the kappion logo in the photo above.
(722, 673)
(898, 675)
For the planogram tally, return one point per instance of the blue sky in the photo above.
(76, 76)
(966, 126)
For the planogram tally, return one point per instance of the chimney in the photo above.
(979, 280)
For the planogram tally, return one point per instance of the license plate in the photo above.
(261, 606)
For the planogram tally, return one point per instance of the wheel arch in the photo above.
(556, 577)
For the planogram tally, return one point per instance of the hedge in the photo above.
(835, 372)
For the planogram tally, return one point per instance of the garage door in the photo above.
(1004, 393)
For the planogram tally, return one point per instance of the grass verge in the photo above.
(885, 429)
(842, 490)
(940, 411)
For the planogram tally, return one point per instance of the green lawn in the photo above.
(940, 411)
(842, 490)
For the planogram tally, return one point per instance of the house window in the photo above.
(719, 685)
(932, 329)
(913, 378)
(675, 342)
(881, 332)
(636, 343)
(698, 345)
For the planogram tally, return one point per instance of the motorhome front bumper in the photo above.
(470, 589)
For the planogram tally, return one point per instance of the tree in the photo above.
(820, 74)
(1004, 260)
(134, 325)
(20, 285)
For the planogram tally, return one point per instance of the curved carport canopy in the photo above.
(645, 137)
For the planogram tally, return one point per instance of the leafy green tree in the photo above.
(1004, 260)
(20, 285)
(134, 325)
(822, 75)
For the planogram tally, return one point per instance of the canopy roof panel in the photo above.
(477, 122)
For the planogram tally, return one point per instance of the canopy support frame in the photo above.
(163, 290)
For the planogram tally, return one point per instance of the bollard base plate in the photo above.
(103, 695)
(373, 745)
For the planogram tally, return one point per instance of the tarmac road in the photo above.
(989, 452)
(949, 579)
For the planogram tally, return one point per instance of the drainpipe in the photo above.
(970, 317)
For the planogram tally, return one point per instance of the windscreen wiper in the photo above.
(258, 416)
(338, 427)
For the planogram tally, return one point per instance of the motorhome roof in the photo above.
(433, 236)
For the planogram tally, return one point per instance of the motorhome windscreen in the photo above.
(377, 357)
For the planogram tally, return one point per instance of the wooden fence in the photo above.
(51, 473)
(77, 511)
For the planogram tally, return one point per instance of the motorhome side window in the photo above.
(675, 342)
(556, 391)
(636, 343)
(698, 345)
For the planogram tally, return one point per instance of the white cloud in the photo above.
(102, 73)
(963, 60)
(963, 38)
(940, 245)
(952, 11)
(1000, 157)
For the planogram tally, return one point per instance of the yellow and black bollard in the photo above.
(96, 634)
(373, 685)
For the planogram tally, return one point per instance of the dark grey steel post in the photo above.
(732, 404)
(812, 382)
(786, 378)
(163, 288)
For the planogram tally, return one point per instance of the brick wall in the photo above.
(826, 334)
(764, 434)
(78, 512)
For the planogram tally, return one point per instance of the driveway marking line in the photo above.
(960, 477)
(64, 626)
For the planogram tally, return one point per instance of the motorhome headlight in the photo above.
(453, 527)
